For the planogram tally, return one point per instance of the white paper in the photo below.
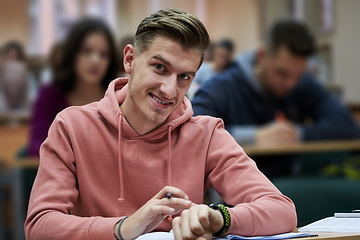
(157, 236)
(347, 215)
(332, 224)
(272, 237)
(170, 236)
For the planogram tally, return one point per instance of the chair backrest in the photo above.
(316, 197)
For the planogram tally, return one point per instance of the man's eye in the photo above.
(159, 67)
(184, 76)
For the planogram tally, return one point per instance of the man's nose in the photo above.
(168, 87)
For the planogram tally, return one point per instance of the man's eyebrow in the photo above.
(191, 73)
(158, 57)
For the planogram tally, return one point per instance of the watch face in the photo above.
(215, 206)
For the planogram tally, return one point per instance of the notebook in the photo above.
(170, 236)
(333, 224)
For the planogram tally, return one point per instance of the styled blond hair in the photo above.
(182, 27)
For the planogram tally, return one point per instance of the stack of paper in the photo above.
(170, 236)
(332, 224)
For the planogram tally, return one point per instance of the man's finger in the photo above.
(195, 225)
(177, 228)
(175, 192)
(186, 232)
(160, 209)
(203, 216)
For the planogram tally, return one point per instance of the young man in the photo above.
(222, 59)
(137, 161)
(266, 97)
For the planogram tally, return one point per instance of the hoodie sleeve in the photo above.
(55, 193)
(259, 207)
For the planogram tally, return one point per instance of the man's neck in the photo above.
(135, 118)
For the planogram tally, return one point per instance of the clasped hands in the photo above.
(195, 221)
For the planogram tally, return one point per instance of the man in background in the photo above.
(267, 97)
(222, 59)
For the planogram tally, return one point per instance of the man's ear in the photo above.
(129, 56)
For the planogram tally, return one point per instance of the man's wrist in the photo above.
(225, 216)
(117, 229)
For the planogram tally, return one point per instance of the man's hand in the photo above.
(152, 213)
(199, 222)
(283, 132)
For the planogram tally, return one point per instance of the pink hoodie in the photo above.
(95, 169)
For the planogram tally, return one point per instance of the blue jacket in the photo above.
(243, 106)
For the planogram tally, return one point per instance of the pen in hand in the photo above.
(168, 195)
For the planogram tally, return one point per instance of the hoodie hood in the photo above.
(109, 108)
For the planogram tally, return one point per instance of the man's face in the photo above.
(222, 57)
(159, 78)
(282, 71)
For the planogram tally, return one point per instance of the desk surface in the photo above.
(18, 117)
(324, 146)
(12, 138)
(333, 236)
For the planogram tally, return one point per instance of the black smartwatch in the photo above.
(226, 216)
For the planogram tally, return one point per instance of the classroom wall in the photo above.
(346, 50)
(238, 20)
(271, 11)
(14, 21)
(343, 42)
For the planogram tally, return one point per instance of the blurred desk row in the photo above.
(309, 147)
(13, 138)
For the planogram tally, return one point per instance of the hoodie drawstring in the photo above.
(120, 162)
(169, 158)
(169, 218)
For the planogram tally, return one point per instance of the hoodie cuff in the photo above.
(242, 221)
(103, 228)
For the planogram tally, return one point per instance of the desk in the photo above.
(333, 236)
(12, 138)
(15, 117)
(308, 147)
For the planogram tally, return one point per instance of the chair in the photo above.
(319, 197)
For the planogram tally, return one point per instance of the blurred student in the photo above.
(53, 61)
(88, 64)
(209, 53)
(267, 96)
(14, 77)
(222, 57)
